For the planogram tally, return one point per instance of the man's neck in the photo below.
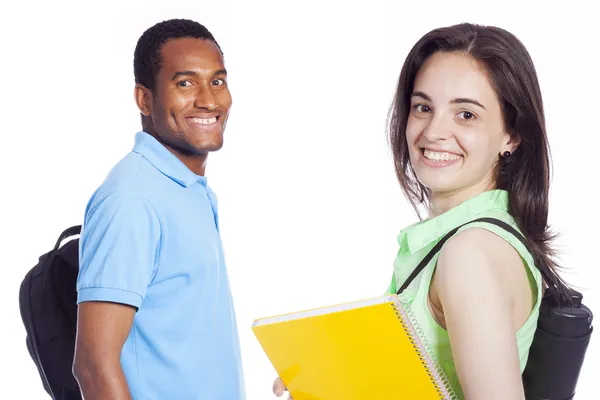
(196, 163)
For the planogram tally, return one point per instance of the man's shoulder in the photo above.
(126, 180)
(124, 187)
(125, 173)
(111, 210)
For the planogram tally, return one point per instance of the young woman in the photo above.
(469, 140)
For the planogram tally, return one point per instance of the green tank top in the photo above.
(418, 239)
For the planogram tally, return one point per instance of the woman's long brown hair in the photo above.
(526, 176)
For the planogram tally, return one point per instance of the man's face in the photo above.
(191, 103)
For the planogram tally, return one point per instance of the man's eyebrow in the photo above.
(192, 73)
(183, 73)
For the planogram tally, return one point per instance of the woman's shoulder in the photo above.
(477, 253)
(477, 265)
(498, 235)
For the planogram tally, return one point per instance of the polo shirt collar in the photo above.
(165, 161)
(423, 233)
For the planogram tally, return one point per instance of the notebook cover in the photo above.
(361, 350)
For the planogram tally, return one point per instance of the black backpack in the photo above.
(48, 304)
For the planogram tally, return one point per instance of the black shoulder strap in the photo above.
(439, 245)
(72, 231)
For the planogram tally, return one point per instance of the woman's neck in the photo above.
(441, 202)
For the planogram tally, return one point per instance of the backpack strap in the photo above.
(72, 231)
(439, 245)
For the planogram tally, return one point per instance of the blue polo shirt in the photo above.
(150, 239)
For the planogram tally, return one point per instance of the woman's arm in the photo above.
(482, 288)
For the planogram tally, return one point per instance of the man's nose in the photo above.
(205, 98)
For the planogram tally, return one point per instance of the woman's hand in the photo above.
(279, 388)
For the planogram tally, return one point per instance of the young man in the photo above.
(156, 319)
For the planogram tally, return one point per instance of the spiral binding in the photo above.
(420, 343)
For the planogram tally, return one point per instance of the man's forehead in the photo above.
(186, 51)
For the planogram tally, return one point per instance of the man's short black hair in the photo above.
(147, 57)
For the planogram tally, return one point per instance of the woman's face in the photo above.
(455, 129)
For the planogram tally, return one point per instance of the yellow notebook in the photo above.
(363, 350)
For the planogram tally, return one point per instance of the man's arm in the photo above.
(118, 257)
(102, 329)
(479, 284)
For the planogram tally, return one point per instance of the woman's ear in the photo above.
(511, 142)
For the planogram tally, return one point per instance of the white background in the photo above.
(309, 204)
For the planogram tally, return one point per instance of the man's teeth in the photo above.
(204, 121)
(440, 156)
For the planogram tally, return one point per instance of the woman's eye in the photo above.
(422, 108)
(466, 115)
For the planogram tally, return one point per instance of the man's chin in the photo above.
(205, 142)
(211, 147)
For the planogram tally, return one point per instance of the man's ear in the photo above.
(143, 99)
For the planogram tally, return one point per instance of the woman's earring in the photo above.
(506, 154)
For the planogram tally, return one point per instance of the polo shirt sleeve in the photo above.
(119, 247)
